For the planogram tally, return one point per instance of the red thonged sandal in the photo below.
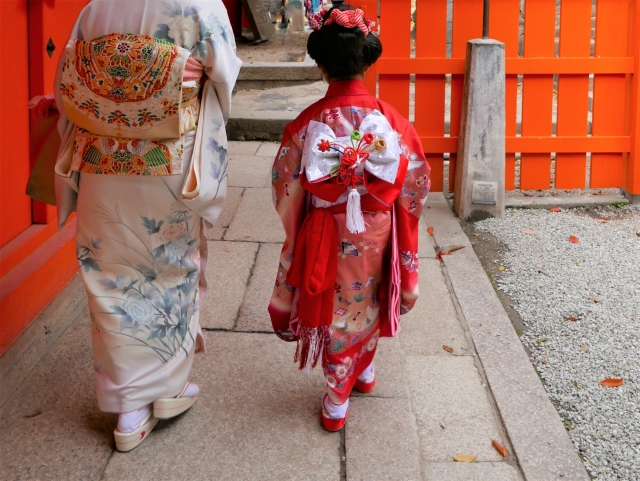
(364, 387)
(329, 423)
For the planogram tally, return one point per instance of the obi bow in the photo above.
(373, 147)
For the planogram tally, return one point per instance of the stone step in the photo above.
(267, 75)
(263, 114)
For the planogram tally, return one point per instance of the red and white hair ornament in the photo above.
(344, 18)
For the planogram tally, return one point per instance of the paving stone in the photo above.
(269, 149)
(256, 219)
(433, 322)
(228, 270)
(380, 440)
(470, 472)
(231, 203)
(452, 409)
(249, 170)
(243, 148)
(390, 380)
(425, 244)
(257, 417)
(447, 230)
(254, 316)
(51, 426)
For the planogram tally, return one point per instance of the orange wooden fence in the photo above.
(547, 85)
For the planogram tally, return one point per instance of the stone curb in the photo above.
(536, 432)
(23, 355)
(566, 202)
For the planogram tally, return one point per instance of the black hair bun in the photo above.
(343, 52)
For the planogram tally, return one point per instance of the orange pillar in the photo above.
(632, 174)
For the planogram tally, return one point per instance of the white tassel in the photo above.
(355, 220)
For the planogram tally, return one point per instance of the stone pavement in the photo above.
(258, 416)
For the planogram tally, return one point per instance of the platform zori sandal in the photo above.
(127, 441)
(171, 407)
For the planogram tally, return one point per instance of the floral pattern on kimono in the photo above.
(154, 300)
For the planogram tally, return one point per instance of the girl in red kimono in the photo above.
(349, 183)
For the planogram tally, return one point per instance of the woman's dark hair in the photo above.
(343, 52)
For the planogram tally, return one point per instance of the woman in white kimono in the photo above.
(144, 89)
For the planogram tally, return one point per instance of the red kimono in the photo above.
(362, 280)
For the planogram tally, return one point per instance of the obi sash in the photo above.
(127, 97)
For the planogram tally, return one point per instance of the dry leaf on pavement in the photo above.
(499, 447)
(612, 382)
(448, 252)
(574, 240)
(465, 458)
(555, 209)
(573, 319)
(448, 349)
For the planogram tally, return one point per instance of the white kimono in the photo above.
(139, 239)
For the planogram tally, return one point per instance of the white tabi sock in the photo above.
(128, 422)
(191, 391)
(368, 375)
(335, 411)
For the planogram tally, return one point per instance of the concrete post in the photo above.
(479, 181)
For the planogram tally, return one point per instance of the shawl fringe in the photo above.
(311, 343)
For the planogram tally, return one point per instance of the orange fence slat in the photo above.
(609, 90)
(431, 41)
(504, 26)
(539, 33)
(467, 25)
(573, 91)
(395, 35)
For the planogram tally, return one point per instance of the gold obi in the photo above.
(126, 96)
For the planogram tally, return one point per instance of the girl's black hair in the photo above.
(343, 52)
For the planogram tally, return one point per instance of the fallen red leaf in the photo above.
(448, 349)
(430, 230)
(612, 382)
(555, 209)
(448, 252)
(574, 240)
(575, 383)
(499, 447)
(573, 319)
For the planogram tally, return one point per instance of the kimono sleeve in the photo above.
(409, 207)
(206, 185)
(289, 200)
(216, 50)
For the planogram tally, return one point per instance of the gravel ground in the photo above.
(596, 283)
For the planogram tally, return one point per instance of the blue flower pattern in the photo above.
(156, 301)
